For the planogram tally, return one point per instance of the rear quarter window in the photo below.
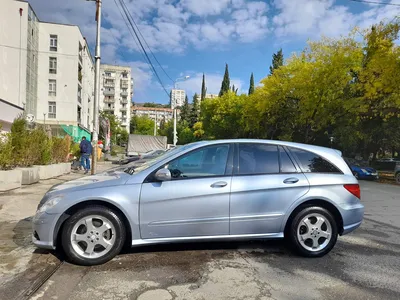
(313, 163)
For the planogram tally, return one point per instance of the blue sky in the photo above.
(191, 37)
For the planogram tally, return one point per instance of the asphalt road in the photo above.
(363, 265)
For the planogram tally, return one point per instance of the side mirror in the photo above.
(163, 175)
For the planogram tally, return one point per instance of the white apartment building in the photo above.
(177, 98)
(116, 90)
(157, 114)
(46, 70)
(66, 79)
(19, 36)
(208, 96)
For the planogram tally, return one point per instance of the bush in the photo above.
(6, 152)
(75, 150)
(60, 149)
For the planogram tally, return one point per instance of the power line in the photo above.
(376, 2)
(137, 27)
(55, 53)
(141, 45)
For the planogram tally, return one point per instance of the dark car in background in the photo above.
(361, 170)
(397, 173)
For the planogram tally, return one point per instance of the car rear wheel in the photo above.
(93, 235)
(313, 232)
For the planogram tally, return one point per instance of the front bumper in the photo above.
(43, 225)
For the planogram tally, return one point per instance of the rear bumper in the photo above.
(352, 217)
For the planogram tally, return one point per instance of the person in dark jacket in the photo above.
(86, 151)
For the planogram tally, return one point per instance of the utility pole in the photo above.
(175, 133)
(173, 106)
(96, 89)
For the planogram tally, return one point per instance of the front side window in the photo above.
(313, 163)
(258, 159)
(205, 162)
(53, 42)
(53, 65)
(52, 109)
(52, 87)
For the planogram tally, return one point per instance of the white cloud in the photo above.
(205, 7)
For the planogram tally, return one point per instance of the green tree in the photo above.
(185, 110)
(195, 111)
(203, 88)
(142, 125)
(225, 86)
(251, 88)
(277, 61)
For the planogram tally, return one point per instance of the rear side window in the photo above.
(258, 159)
(313, 163)
(287, 165)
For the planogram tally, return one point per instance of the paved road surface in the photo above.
(363, 265)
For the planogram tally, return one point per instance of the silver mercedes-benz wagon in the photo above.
(205, 191)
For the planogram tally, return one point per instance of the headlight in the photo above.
(49, 204)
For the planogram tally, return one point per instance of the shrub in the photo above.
(6, 152)
(60, 149)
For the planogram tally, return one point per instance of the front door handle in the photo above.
(291, 180)
(219, 184)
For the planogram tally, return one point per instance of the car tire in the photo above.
(398, 178)
(304, 232)
(93, 242)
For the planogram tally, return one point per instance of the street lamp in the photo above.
(96, 88)
(174, 107)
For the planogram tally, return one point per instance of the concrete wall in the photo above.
(10, 180)
(13, 58)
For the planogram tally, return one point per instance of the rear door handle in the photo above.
(291, 180)
(219, 184)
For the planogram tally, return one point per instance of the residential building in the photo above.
(155, 113)
(208, 96)
(66, 79)
(177, 98)
(46, 71)
(19, 37)
(116, 85)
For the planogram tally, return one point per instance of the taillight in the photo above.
(354, 189)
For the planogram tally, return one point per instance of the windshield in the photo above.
(134, 168)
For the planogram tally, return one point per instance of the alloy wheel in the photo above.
(93, 236)
(314, 232)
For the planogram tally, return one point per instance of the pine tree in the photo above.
(251, 88)
(185, 110)
(225, 86)
(233, 88)
(203, 89)
(277, 61)
(195, 112)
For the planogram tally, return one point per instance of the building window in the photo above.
(52, 110)
(53, 42)
(53, 65)
(108, 74)
(52, 87)
(124, 75)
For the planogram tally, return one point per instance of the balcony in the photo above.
(124, 86)
(109, 92)
(109, 100)
(109, 83)
(124, 101)
(124, 120)
(109, 108)
(79, 99)
(80, 57)
(123, 109)
(124, 94)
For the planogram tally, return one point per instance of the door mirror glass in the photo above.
(163, 175)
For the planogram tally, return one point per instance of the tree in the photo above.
(185, 110)
(203, 88)
(195, 112)
(142, 125)
(251, 88)
(225, 86)
(277, 61)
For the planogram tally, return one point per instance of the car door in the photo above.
(264, 185)
(196, 200)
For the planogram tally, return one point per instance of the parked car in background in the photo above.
(397, 173)
(361, 170)
(206, 191)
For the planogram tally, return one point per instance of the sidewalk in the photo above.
(19, 259)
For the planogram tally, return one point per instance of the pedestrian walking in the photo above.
(86, 151)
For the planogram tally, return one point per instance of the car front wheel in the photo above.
(93, 235)
(313, 232)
